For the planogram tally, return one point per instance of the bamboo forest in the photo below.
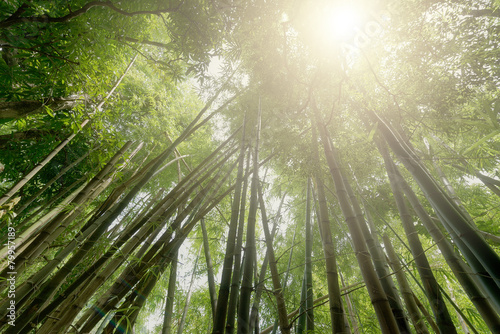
(249, 166)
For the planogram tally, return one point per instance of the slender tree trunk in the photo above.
(381, 266)
(47, 290)
(350, 309)
(37, 280)
(308, 258)
(426, 314)
(301, 323)
(48, 184)
(26, 237)
(378, 297)
(48, 206)
(57, 225)
(259, 288)
(169, 301)
(66, 306)
(406, 291)
(443, 318)
(188, 297)
(336, 310)
(452, 219)
(131, 275)
(277, 287)
(461, 270)
(19, 109)
(14, 189)
(210, 270)
(90, 242)
(317, 302)
(236, 279)
(246, 284)
(222, 299)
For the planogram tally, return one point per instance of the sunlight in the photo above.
(340, 22)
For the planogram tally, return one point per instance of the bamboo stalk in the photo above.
(378, 297)
(406, 290)
(259, 288)
(169, 300)
(445, 208)
(441, 313)
(459, 268)
(308, 258)
(235, 280)
(246, 284)
(133, 274)
(210, 270)
(277, 287)
(224, 287)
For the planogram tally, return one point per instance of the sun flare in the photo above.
(341, 22)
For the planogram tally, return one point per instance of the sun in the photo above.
(340, 22)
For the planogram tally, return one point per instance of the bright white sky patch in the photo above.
(340, 22)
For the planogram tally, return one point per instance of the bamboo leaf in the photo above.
(480, 142)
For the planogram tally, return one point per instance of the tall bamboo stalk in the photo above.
(308, 258)
(169, 300)
(162, 248)
(443, 318)
(459, 268)
(210, 270)
(453, 220)
(49, 183)
(336, 310)
(225, 284)
(162, 211)
(378, 297)
(379, 262)
(61, 221)
(259, 288)
(277, 287)
(335, 300)
(182, 323)
(350, 308)
(235, 280)
(301, 323)
(406, 290)
(246, 284)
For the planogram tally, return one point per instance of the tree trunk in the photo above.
(188, 297)
(381, 266)
(460, 269)
(133, 274)
(169, 300)
(406, 291)
(350, 308)
(378, 297)
(246, 284)
(451, 217)
(259, 288)
(235, 280)
(210, 270)
(222, 299)
(277, 288)
(336, 310)
(443, 318)
(19, 109)
(308, 258)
